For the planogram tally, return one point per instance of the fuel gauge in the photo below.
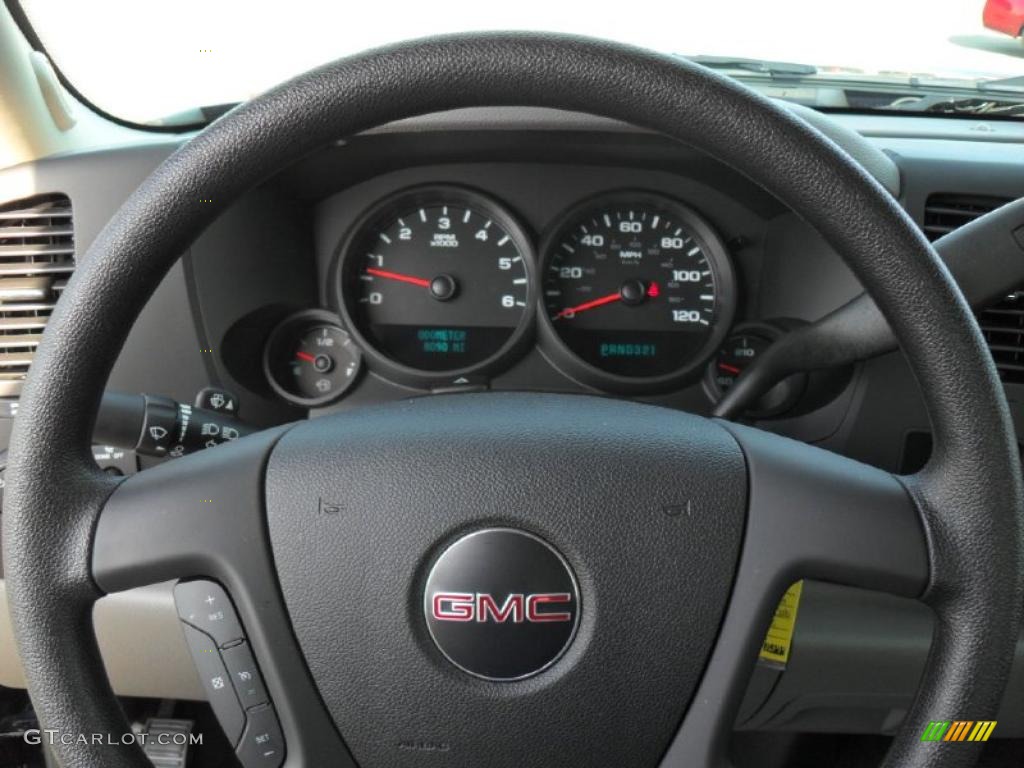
(309, 360)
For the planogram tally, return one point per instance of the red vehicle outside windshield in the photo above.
(1006, 16)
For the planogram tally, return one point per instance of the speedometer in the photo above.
(436, 286)
(638, 291)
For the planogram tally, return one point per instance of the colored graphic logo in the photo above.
(501, 604)
(958, 730)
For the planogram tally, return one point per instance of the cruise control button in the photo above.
(206, 606)
(216, 682)
(262, 744)
(245, 676)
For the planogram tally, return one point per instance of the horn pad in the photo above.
(583, 550)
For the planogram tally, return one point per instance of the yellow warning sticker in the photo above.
(779, 640)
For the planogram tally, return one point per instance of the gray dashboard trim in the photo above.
(876, 162)
(141, 641)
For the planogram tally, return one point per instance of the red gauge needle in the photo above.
(730, 368)
(400, 278)
(569, 311)
(305, 357)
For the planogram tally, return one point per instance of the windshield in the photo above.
(159, 62)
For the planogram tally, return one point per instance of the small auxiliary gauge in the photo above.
(309, 360)
(738, 352)
(743, 346)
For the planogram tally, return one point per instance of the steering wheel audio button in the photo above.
(206, 606)
(216, 682)
(245, 675)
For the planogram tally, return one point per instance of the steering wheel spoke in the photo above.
(816, 514)
(203, 517)
(200, 515)
(811, 514)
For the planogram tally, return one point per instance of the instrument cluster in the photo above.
(442, 285)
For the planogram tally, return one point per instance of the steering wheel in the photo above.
(614, 564)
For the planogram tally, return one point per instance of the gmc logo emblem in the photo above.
(537, 608)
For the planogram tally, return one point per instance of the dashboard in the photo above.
(534, 250)
(285, 271)
(657, 279)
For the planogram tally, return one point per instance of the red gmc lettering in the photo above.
(517, 607)
(534, 603)
(453, 606)
(513, 606)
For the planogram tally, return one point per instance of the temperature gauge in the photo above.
(309, 360)
(740, 350)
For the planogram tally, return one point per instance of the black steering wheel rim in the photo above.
(969, 496)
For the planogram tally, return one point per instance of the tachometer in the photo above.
(638, 291)
(436, 284)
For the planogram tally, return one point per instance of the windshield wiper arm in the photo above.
(759, 66)
(1003, 84)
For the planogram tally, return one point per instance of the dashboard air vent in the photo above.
(1003, 322)
(1003, 327)
(944, 213)
(37, 255)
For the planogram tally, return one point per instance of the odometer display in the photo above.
(638, 289)
(437, 282)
